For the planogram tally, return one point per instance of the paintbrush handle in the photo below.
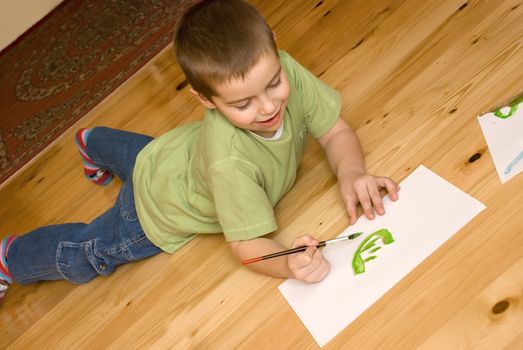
(299, 249)
(282, 253)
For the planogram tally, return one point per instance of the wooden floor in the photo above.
(414, 76)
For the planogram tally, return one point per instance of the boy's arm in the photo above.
(308, 266)
(345, 156)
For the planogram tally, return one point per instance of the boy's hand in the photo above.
(365, 189)
(346, 159)
(309, 266)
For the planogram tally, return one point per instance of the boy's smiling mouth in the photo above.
(271, 121)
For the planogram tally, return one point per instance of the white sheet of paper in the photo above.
(505, 141)
(430, 210)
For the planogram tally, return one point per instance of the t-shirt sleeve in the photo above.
(321, 103)
(242, 206)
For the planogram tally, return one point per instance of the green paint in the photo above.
(358, 263)
(370, 244)
(513, 108)
(374, 250)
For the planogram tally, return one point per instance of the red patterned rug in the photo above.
(69, 62)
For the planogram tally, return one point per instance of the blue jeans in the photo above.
(79, 252)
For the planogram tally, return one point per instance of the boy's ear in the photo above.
(203, 100)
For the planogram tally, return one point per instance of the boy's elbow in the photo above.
(235, 246)
(246, 249)
(238, 249)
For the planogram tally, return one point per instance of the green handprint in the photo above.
(368, 244)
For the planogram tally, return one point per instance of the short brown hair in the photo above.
(220, 40)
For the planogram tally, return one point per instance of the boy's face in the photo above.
(258, 101)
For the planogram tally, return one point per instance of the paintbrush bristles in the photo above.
(354, 235)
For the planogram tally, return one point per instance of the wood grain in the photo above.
(414, 75)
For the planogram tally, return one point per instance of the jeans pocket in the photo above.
(79, 263)
(126, 202)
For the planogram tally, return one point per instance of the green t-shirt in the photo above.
(210, 176)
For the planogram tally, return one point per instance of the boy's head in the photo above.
(217, 41)
(228, 54)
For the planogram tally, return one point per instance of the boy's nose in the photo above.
(268, 106)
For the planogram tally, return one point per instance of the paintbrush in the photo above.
(301, 248)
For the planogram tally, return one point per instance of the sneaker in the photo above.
(94, 173)
(98, 176)
(3, 290)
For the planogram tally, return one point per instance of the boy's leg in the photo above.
(109, 151)
(79, 252)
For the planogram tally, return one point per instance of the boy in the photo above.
(222, 174)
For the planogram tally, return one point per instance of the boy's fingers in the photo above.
(304, 259)
(366, 203)
(391, 187)
(351, 210)
(324, 273)
(304, 263)
(304, 240)
(376, 200)
(320, 269)
(313, 271)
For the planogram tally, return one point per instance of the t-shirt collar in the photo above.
(274, 137)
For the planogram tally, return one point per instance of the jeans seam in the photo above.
(58, 264)
(127, 217)
(32, 276)
(124, 247)
(122, 204)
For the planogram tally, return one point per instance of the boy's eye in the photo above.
(273, 85)
(244, 107)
